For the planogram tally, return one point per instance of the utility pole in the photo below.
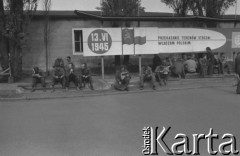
(101, 1)
(236, 9)
(206, 7)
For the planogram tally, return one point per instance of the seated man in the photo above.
(58, 77)
(162, 72)
(122, 79)
(147, 75)
(85, 76)
(37, 77)
(177, 68)
(71, 76)
(190, 66)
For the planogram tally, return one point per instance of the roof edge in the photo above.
(139, 18)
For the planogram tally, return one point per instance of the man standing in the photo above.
(237, 64)
(210, 59)
(237, 70)
(147, 75)
(156, 61)
(69, 61)
(85, 76)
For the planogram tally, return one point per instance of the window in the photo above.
(78, 41)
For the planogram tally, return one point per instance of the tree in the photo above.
(121, 8)
(46, 29)
(208, 8)
(180, 7)
(3, 39)
(15, 15)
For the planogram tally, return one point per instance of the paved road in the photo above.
(112, 125)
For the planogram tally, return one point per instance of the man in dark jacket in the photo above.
(122, 79)
(70, 75)
(147, 75)
(58, 77)
(37, 77)
(156, 61)
(210, 59)
(85, 76)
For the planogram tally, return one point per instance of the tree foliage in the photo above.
(208, 8)
(121, 7)
(15, 15)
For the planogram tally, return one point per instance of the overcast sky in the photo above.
(150, 5)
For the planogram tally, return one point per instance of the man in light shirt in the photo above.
(190, 65)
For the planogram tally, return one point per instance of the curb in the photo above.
(108, 92)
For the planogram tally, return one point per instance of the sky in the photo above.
(86, 5)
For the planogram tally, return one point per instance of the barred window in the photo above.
(78, 41)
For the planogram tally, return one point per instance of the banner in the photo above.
(152, 40)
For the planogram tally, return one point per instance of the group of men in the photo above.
(160, 73)
(162, 68)
(67, 74)
(64, 75)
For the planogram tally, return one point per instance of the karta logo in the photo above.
(154, 140)
(236, 40)
(99, 41)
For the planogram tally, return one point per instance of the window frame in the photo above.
(74, 42)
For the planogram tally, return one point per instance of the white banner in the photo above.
(189, 40)
(151, 40)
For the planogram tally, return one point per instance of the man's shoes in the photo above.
(154, 87)
(141, 87)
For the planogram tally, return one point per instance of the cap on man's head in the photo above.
(68, 57)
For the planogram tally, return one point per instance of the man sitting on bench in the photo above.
(58, 77)
(85, 76)
(190, 65)
(122, 79)
(37, 77)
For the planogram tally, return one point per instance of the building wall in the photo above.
(60, 42)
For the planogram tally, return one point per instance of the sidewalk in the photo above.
(22, 89)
